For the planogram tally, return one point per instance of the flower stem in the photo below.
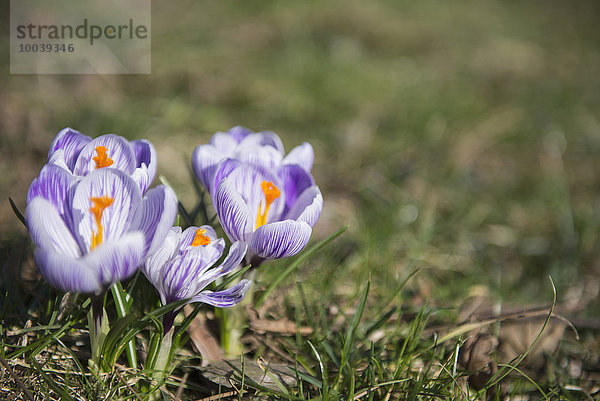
(98, 328)
(162, 360)
(233, 321)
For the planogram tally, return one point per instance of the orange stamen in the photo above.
(98, 206)
(102, 160)
(200, 238)
(271, 193)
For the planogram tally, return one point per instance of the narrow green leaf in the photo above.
(120, 297)
(324, 385)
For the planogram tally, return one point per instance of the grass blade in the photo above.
(324, 385)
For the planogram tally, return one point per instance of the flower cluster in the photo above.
(90, 214)
(95, 222)
(263, 197)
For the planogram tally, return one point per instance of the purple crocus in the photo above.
(181, 268)
(239, 143)
(271, 209)
(93, 231)
(73, 155)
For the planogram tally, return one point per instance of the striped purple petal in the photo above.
(156, 215)
(145, 155)
(295, 180)
(234, 213)
(142, 177)
(52, 184)
(226, 298)
(204, 163)
(280, 239)
(308, 206)
(117, 259)
(175, 280)
(48, 230)
(71, 143)
(237, 133)
(237, 251)
(180, 275)
(167, 250)
(224, 168)
(67, 273)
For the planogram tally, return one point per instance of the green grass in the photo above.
(456, 141)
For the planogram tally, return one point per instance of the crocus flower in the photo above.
(262, 148)
(272, 209)
(181, 268)
(93, 231)
(73, 155)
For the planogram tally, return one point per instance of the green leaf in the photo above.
(123, 304)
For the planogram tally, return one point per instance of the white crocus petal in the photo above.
(58, 159)
(155, 216)
(70, 142)
(67, 273)
(266, 138)
(266, 156)
(225, 298)
(155, 262)
(204, 163)
(48, 230)
(177, 277)
(234, 213)
(223, 143)
(52, 184)
(280, 239)
(117, 259)
(308, 206)
(302, 155)
(142, 177)
(237, 251)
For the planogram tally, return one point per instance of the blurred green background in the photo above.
(458, 138)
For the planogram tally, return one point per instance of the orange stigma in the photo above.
(271, 193)
(200, 238)
(102, 160)
(98, 206)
